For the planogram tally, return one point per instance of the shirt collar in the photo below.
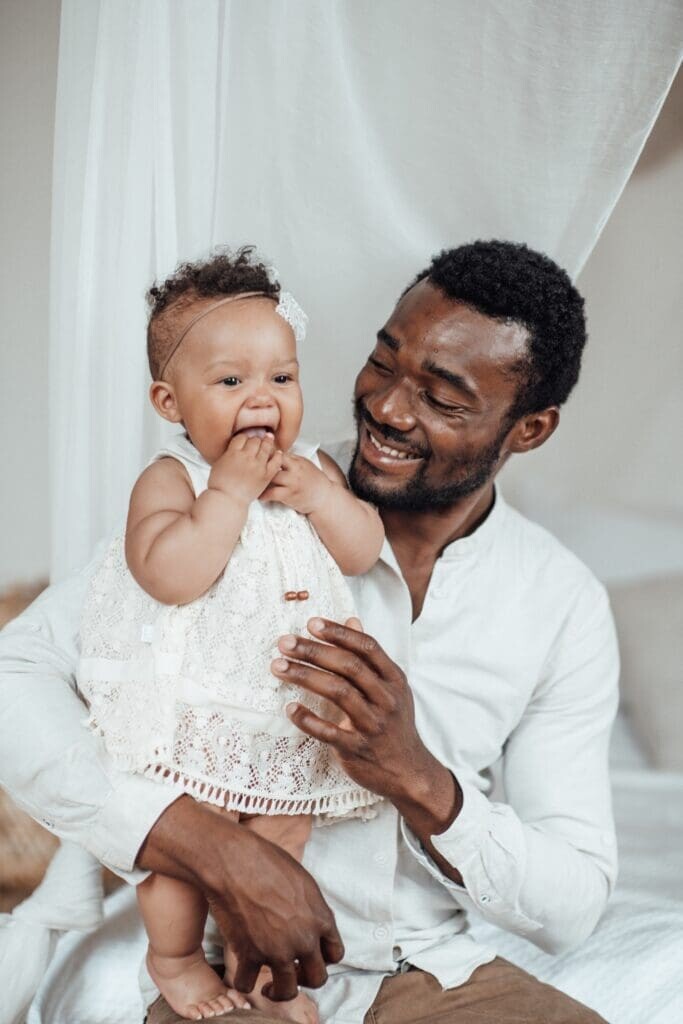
(474, 544)
(481, 539)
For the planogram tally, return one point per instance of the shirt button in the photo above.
(381, 932)
(380, 858)
(397, 952)
(484, 897)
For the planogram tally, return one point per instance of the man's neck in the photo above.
(426, 534)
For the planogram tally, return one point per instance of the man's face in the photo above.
(432, 403)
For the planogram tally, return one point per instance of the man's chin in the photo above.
(371, 483)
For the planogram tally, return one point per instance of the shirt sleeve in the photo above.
(543, 864)
(51, 765)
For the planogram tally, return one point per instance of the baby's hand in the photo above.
(300, 485)
(246, 467)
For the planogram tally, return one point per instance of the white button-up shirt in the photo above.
(513, 665)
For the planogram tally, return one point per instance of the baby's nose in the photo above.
(261, 396)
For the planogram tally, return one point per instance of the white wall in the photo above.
(618, 446)
(29, 33)
(610, 481)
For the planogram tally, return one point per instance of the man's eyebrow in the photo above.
(386, 339)
(455, 379)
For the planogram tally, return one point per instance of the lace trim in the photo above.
(331, 804)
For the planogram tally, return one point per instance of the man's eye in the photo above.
(442, 406)
(378, 366)
(230, 382)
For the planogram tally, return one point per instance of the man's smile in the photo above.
(375, 451)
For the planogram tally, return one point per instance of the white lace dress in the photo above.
(185, 694)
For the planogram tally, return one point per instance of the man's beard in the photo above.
(464, 475)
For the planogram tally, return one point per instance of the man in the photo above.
(485, 640)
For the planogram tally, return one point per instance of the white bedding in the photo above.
(630, 970)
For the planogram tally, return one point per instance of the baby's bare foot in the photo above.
(191, 987)
(301, 1009)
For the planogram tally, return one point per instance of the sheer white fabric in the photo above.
(350, 141)
(184, 694)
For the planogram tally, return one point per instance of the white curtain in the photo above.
(350, 141)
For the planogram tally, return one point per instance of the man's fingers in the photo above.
(332, 946)
(339, 691)
(365, 646)
(354, 623)
(284, 984)
(312, 972)
(341, 662)
(319, 728)
(246, 974)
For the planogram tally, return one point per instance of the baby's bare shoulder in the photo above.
(162, 486)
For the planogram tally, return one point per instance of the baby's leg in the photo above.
(174, 914)
(290, 832)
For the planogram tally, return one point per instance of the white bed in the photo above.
(630, 970)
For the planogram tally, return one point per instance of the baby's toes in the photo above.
(225, 1004)
(206, 1010)
(221, 1004)
(238, 999)
(194, 1013)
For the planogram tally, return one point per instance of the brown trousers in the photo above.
(497, 993)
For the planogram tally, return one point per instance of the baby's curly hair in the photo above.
(225, 272)
(508, 281)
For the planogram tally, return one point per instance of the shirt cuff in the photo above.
(459, 844)
(128, 815)
(462, 845)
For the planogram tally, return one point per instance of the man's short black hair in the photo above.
(513, 283)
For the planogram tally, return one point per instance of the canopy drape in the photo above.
(350, 141)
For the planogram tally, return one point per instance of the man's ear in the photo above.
(533, 430)
(162, 396)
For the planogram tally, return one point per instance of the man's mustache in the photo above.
(385, 432)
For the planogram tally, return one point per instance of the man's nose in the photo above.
(392, 408)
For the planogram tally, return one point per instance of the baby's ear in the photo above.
(162, 397)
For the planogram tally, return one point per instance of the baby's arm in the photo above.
(178, 545)
(350, 529)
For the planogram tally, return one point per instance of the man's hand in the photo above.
(246, 467)
(300, 485)
(377, 744)
(268, 908)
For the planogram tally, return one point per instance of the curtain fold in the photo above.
(349, 141)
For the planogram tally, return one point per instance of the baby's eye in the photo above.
(230, 382)
(282, 378)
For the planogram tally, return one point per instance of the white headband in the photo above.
(288, 308)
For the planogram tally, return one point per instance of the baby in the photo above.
(237, 534)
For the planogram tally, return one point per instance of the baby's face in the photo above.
(237, 372)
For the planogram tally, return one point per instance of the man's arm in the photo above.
(541, 865)
(544, 863)
(51, 765)
(263, 900)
